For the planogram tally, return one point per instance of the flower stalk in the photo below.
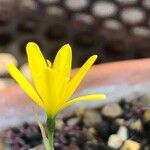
(51, 130)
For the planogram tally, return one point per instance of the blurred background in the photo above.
(114, 29)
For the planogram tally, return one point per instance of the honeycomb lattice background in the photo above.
(113, 29)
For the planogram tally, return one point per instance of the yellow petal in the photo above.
(50, 83)
(25, 85)
(63, 60)
(82, 98)
(74, 83)
(36, 61)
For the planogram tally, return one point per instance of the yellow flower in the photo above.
(52, 85)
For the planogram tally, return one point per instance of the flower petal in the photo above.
(63, 60)
(36, 61)
(82, 98)
(73, 84)
(25, 85)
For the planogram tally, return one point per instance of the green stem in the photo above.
(51, 131)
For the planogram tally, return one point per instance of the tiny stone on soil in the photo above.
(72, 121)
(131, 145)
(115, 141)
(59, 124)
(120, 121)
(91, 117)
(136, 125)
(146, 116)
(123, 133)
(112, 110)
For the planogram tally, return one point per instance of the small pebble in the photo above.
(146, 100)
(79, 112)
(131, 145)
(72, 121)
(146, 116)
(91, 117)
(6, 58)
(136, 125)
(59, 124)
(115, 141)
(91, 132)
(112, 110)
(120, 121)
(5, 83)
(123, 133)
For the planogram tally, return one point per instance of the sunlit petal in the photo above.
(73, 84)
(36, 61)
(82, 98)
(25, 85)
(63, 60)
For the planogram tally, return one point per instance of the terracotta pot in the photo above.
(116, 80)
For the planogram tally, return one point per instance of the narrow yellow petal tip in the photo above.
(31, 44)
(102, 96)
(94, 57)
(66, 47)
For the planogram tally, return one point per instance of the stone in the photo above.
(123, 133)
(59, 124)
(6, 58)
(79, 112)
(146, 100)
(72, 121)
(91, 132)
(131, 145)
(136, 125)
(5, 83)
(112, 110)
(91, 117)
(120, 121)
(146, 116)
(115, 141)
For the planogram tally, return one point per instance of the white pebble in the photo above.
(5, 83)
(114, 141)
(84, 18)
(55, 10)
(6, 58)
(112, 24)
(146, 3)
(31, 4)
(128, 2)
(132, 15)
(76, 4)
(104, 9)
(141, 31)
(112, 110)
(123, 133)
